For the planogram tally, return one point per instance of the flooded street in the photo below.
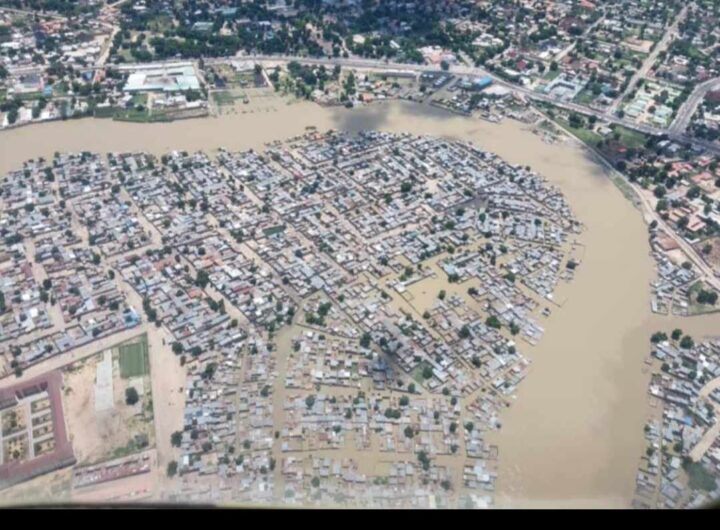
(575, 434)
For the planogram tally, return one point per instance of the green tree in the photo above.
(131, 396)
(464, 332)
(493, 322)
(687, 342)
(658, 337)
(202, 278)
(176, 439)
(310, 401)
(365, 340)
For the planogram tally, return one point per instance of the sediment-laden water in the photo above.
(574, 436)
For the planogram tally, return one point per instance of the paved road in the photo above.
(459, 70)
(474, 71)
(661, 45)
(572, 45)
(107, 45)
(686, 112)
(707, 272)
(651, 215)
(33, 13)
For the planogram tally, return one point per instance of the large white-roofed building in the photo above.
(164, 79)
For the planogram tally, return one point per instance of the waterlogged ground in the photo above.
(574, 436)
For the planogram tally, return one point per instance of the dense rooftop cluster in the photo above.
(682, 459)
(290, 281)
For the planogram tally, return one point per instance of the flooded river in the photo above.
(575, 434)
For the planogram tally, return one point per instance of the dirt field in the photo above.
(168, 388)
(53, 487)
(120, 430)
(714, 257)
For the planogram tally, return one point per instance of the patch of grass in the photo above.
(32, 96)
(139, 99)
(550, 74)
(134, 358)
(126, 55)
(699, 477)
(244, 79)
(226, 97)
(139, 116)
(585, 97)
(132, 114)
(274, 230)
(417, 373)
(586, 135)
(104, 112)
(132, 447)
(694, 308)
(629, 138)
(160, 24)
(626, 189)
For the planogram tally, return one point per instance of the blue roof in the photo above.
(482, 81)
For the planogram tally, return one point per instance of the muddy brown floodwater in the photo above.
(574, 436)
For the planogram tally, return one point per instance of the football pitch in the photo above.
(134, 358)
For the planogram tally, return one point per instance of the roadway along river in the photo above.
(575, 434)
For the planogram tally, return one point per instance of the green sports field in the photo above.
(134, 358)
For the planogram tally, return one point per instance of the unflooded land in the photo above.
(108, 403)
(574, 435)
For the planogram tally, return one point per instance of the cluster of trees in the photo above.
(12, 107)
(308, 32)
(319, 319)
(686, 342)
(658, 337)
(194, 45)
(365, 340)
(202, 278)
(63, 7)
(150, 312)
(706, 297)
